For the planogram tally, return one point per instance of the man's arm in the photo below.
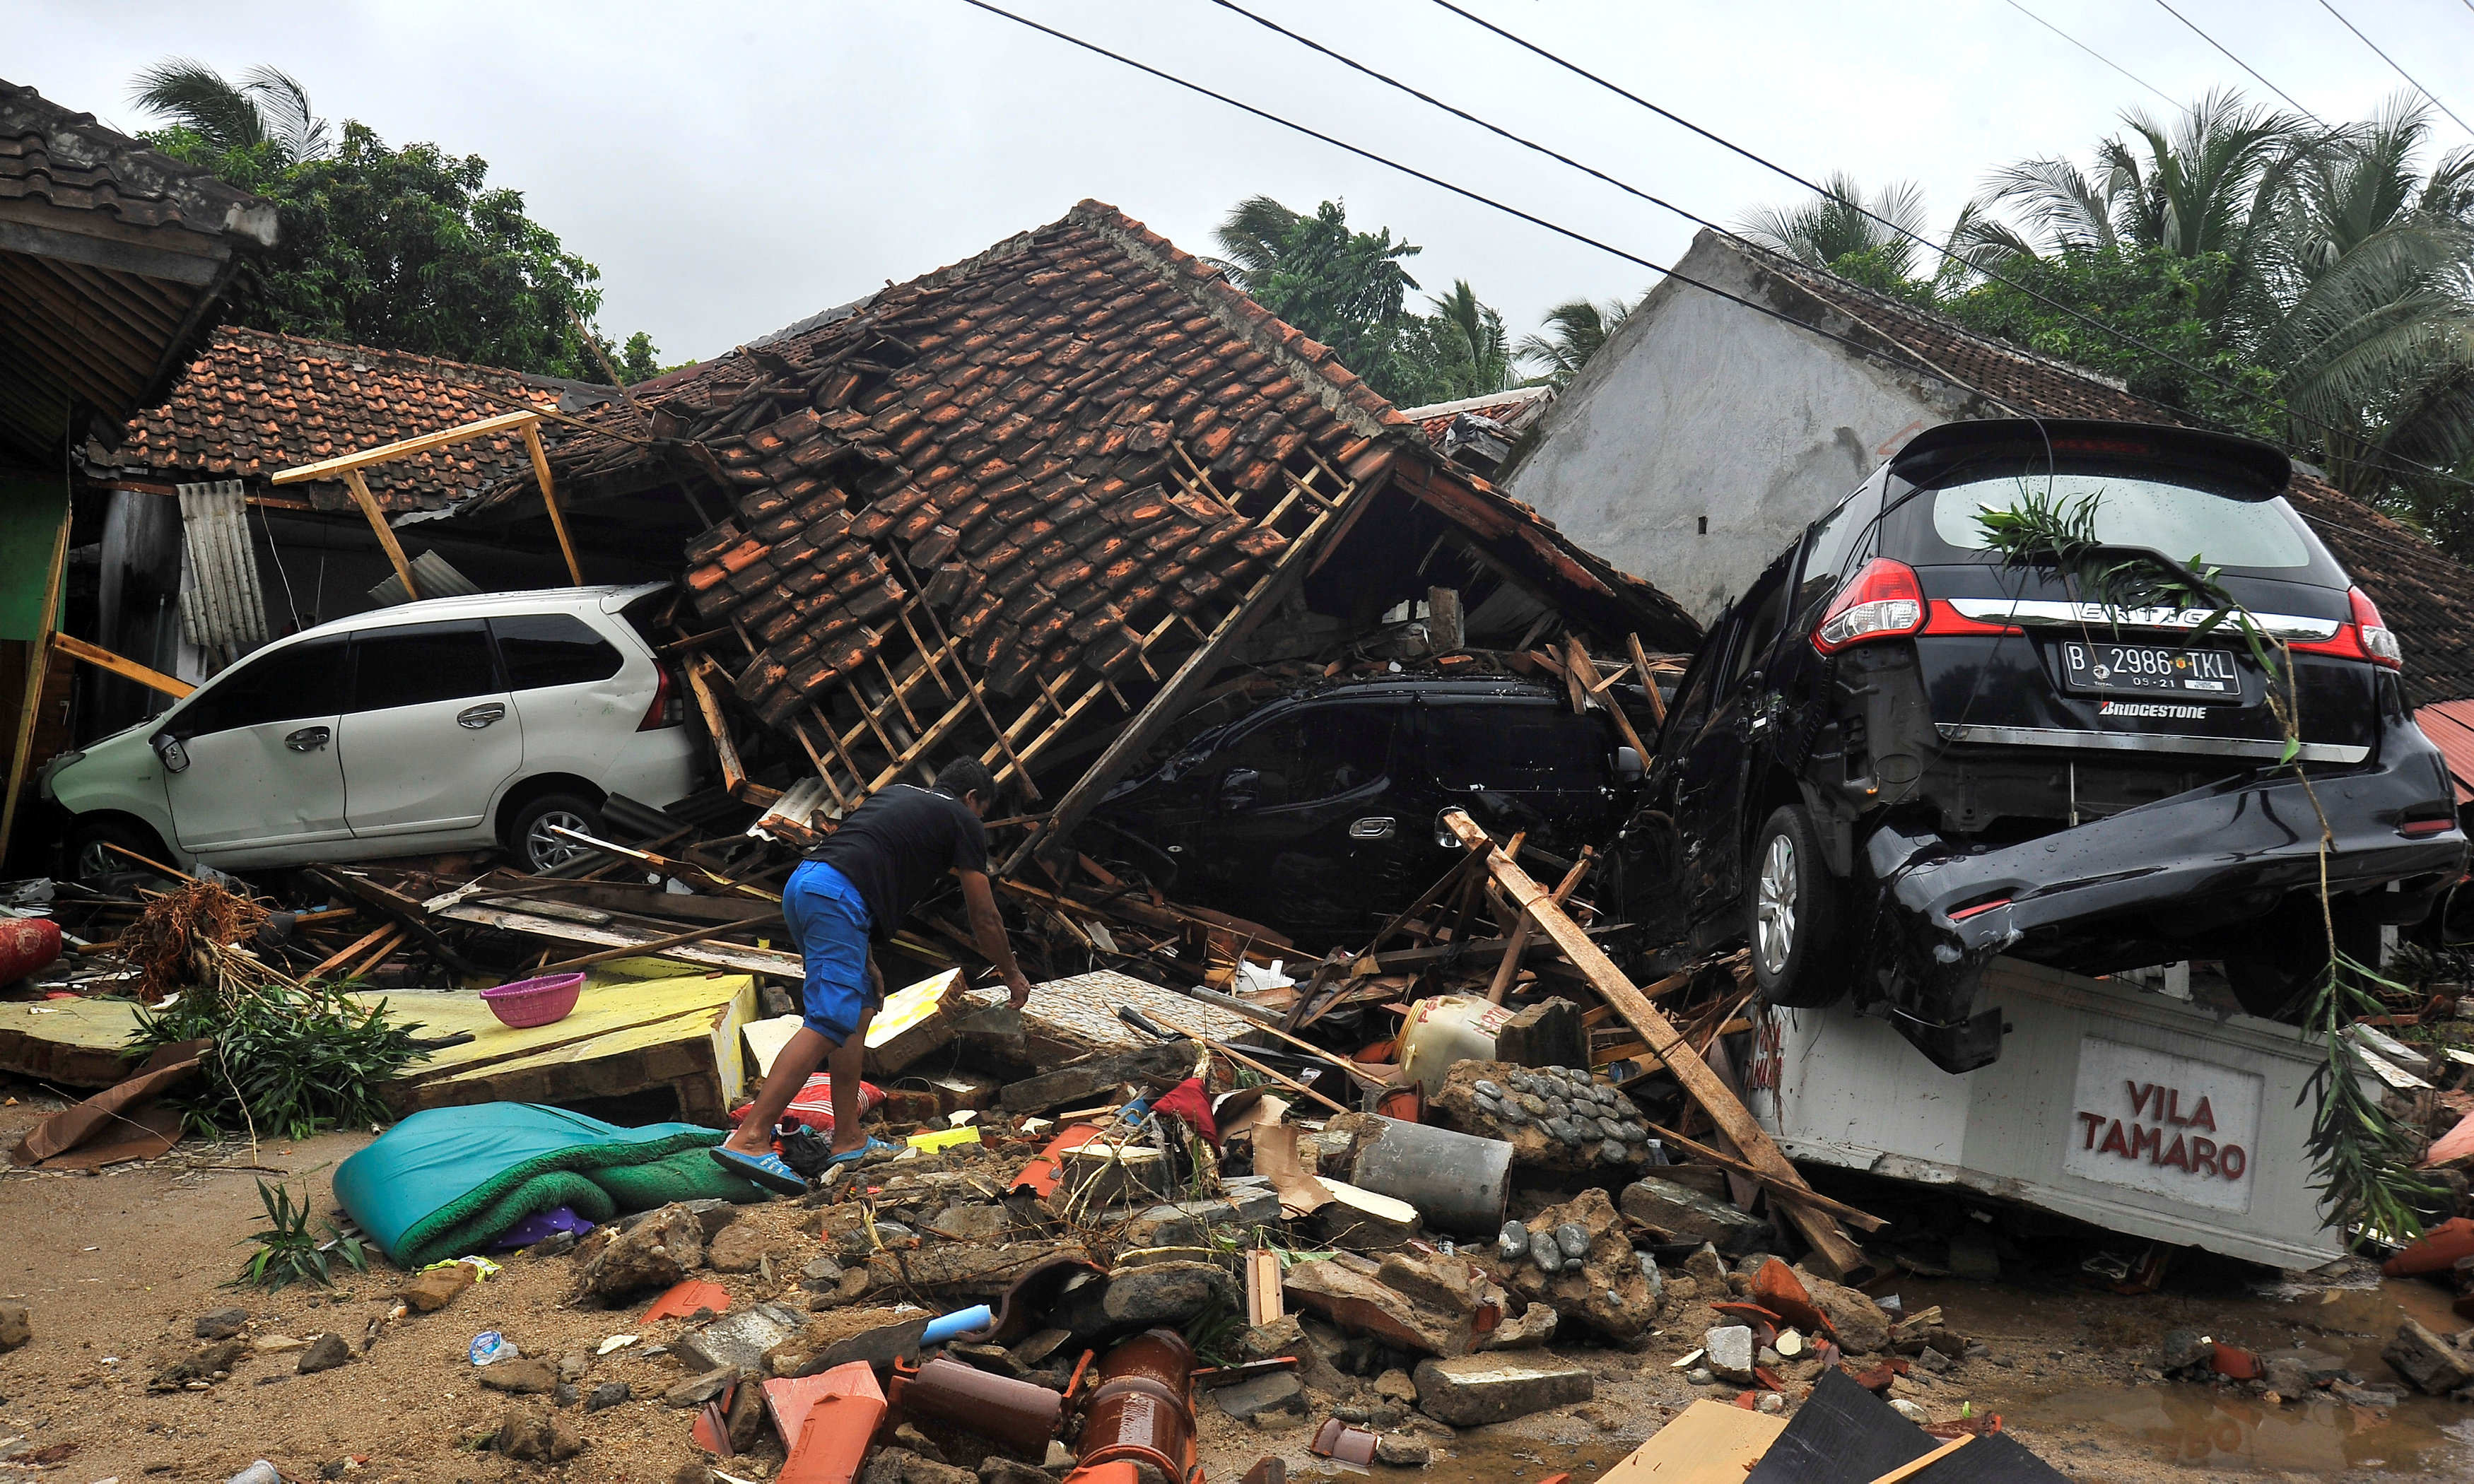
(987, 929)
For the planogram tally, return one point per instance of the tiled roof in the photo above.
(2450, 727)
(68, 160)
(1051, 438)
(255, 402)
(1076, 452)
(2426, 597)
(1516, 409)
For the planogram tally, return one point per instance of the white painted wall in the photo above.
(1703, 408)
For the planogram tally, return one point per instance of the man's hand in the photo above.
(987, 929)
(1020, 988)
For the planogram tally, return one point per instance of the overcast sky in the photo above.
(731, 168)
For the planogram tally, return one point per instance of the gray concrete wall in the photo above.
(1699, 408)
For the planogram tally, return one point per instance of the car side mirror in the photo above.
(1629, 767)
(1237, 790)
(169, 747)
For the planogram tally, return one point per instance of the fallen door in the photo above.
(2119, 1107)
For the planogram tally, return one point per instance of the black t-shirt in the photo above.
(896, 847)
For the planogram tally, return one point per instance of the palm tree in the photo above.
(267, 108)
(1473, 340)
(2216, 180)
(1844, 222)
(1253, 236)
(1572, 333)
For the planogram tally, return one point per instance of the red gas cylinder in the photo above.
(26, 944)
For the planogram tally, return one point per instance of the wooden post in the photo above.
(709, 707)
(1830, 1245)
(39, 653)
(1585, 670)
(549, 501)
(369, 505)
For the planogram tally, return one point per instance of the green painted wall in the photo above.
(29, 520)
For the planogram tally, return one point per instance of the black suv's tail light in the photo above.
(2364, 637)
(670, 709)
(1884, 601)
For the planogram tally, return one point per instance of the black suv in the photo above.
(1895, 758)
(1318, 813)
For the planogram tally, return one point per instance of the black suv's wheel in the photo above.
(530, 835)
(2285, 954)
(1792, 914)
(90, 858)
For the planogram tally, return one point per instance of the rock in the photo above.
(1281, 1391)
(740, 1338)
(1574, 1238)
(1603, 1289)
(1708, 1269)
(1447, 1284)
(2181, 1350)
(745, 1419)
(1397, 1385)
(1728, 1352)
(1165, 1293)
(607, 1395)
(1402, 1452)
(1861, 1328)
(1691, 1216)
(325, 1353)
(1354, 1301)
(1286, 1336)
(697, 1390)
(536, 1436)
(736, 1249)
(1770, 1402)
(1245, 1204)
(2289, 1378)
(564, 1395)
(434, 1289)
(975, 1222)
(572, 1365)
(2430, 1361)
(1552, 1128)
(998, 1468)
(656, 1252)
(821, 1274)
(1546, 1034)
(221, 1325)
(1514, 1244)
(221, 1356)
(1472, 1390)
(900, 1466)
(526, 1375)
(1534, 1328)
(558, 1244)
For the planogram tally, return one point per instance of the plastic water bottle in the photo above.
(258, 1473)
(490, 1344)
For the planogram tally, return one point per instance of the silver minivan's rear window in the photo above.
(2178, 520)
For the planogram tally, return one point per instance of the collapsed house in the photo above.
(1029, 506)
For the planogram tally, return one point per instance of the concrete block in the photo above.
(1694, 1217)
(1471, 1390)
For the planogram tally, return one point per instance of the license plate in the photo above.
(2151, 669)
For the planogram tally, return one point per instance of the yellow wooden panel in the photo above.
(1709, 1443)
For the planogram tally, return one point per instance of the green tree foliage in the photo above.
(404, 248)
(1348, 289)
(1572, 333)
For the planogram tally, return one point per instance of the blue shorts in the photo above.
(828, 919)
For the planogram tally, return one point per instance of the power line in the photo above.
(2113, 332)
(2392, 61)
(2100, 55)
(2239, 63)
(1911, 361)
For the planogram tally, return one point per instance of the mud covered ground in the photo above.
(116, 1268)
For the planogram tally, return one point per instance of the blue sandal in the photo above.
(873, 1146)
(764, 1170)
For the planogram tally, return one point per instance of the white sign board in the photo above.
(2164, 1124)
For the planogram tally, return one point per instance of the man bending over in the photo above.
(853, 889)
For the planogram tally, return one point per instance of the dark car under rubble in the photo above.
(1896, 757)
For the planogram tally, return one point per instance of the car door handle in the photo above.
(1373, 828)
(310, 738)
(477, 717)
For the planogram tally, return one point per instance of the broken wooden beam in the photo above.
(1830, 1245)
(102, 658)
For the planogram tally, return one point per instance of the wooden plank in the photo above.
(1263, 1297)
(102, 658)
(748, 960)
(1648, 683)
(649, 947)
(76, 1042)
(549, 499)
(733, 776)
(1853, 1215)
(1518, 942)
(1708, 1443)
(351, 462)
(39, 654)
(1830, 1245)
(1915, 1465)
(369, 505)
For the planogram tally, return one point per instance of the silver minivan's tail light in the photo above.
(670, 709)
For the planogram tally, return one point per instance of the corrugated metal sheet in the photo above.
(2450, 727)
(220, 609)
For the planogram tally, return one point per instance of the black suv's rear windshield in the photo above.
(2181, 515)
